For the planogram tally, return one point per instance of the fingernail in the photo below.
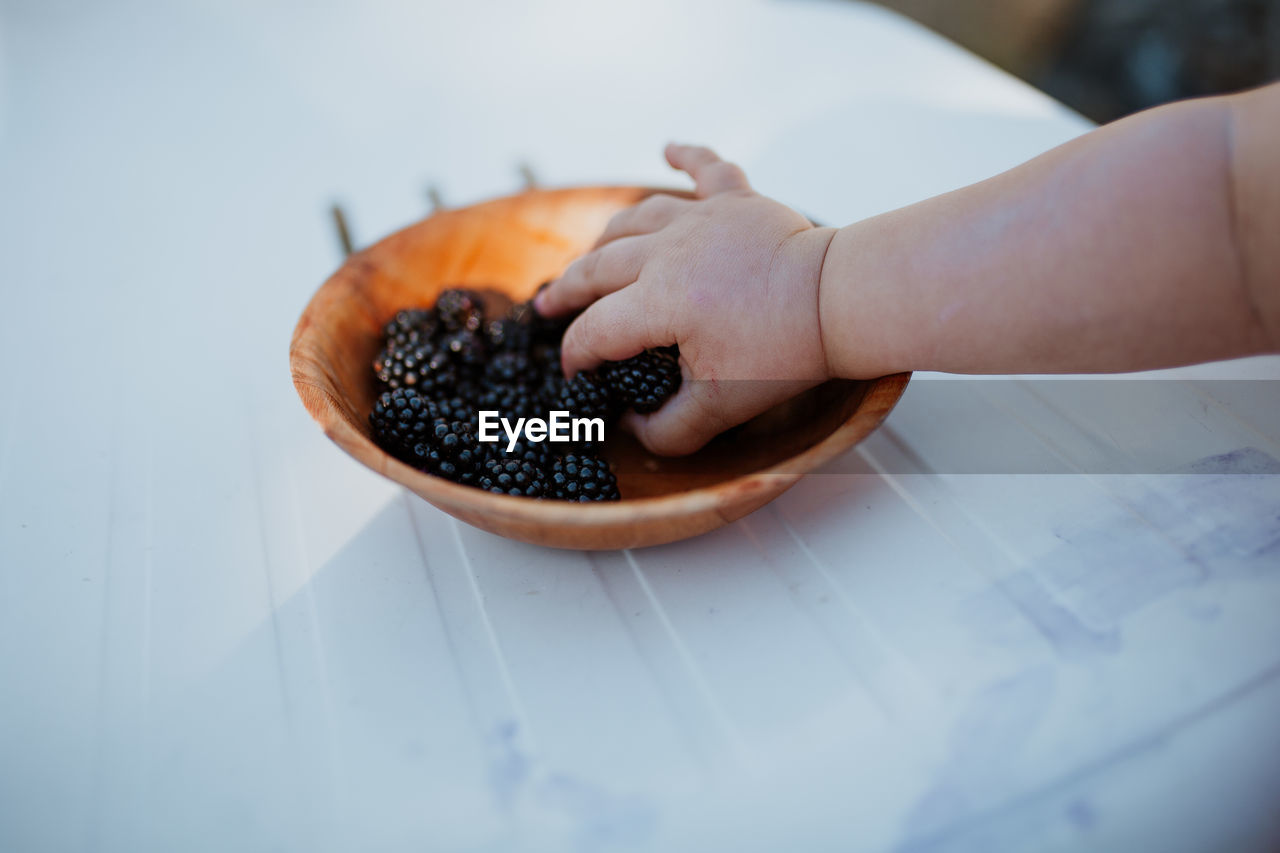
(540, 298)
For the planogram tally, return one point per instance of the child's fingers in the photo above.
(711, 175)
(648, 216)
(616, 327)
(684, 423)
(595, 274)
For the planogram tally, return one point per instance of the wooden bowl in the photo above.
(511, 245)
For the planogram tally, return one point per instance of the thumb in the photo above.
(684, 424)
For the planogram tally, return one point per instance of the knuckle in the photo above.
(610, 260)
(572, 275)
(618, 222)
(650, 204)
(650, 210)
(639, 250)
(658, 217)
(592, 329)
(577, 341)
(656, 315)
(728, 173)
(588, 266)
(673, 206)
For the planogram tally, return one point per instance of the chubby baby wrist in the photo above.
(807, 252)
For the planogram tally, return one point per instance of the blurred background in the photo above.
(1108, 58)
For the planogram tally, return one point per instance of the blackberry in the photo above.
(583, 478)
(453, 452)
(512, 477)
(536, 453)
(509, 334)
(460, 310)
(456, 408)
(547, 330)
(520, 470)
(420, 366)
(414, 430)
(439, 366)
(583, 396)
(643, 382)
(465, 347)
(510, 401)
(401, 420)
(547, 357)
(412, 327)
(511, 368)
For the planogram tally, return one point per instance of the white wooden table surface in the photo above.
(998, 624)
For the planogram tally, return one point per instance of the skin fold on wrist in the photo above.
(801, 258)
(862, 324)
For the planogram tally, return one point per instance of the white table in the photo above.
(217, 632)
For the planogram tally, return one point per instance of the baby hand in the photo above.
(730, 276)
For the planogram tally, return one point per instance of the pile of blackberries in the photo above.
(439, 366)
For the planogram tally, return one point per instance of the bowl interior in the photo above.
(509, 246)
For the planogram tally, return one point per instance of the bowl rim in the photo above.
(311, 383)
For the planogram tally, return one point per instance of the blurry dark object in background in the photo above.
(1121, 56)
(1109, 58)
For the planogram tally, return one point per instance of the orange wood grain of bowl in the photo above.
(512, 245)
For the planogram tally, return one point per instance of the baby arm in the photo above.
(1151, 242)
